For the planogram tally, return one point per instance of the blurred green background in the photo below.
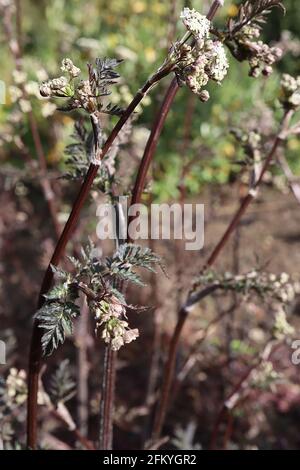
(140, 31)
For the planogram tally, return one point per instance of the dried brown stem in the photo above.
(192, 358)
(168, 375)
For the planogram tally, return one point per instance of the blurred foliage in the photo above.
(140, 32)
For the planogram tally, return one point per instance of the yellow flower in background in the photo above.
(112, 40)
(232, 10)
(138, 7)
(150, 54)
(228, 149)
(293, 144)
(158, 8)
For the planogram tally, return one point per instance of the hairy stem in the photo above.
(154, 366)
(82, 339)
(152, 142)
(35, 357)
(158, 125)
(107, 400)
(110, 359)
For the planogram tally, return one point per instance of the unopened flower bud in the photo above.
(204, 96)
(45, 90)
(267, 71)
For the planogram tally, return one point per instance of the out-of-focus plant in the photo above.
(289, 106)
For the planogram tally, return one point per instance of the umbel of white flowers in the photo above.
(115, 330)
(290, 91)
(206, 60)
(61, 86)
(195, 23)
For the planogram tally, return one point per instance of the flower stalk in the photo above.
(35, 359)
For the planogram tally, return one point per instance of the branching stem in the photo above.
(195, 298)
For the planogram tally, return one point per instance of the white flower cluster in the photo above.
(282, 328)
(205, 61)
(280, 288)
(196, 23)
(261, 56)
(7, 6)
(291, 91)
(16, 387)
(68, 66)
(264, 376)
(61, 86)
(22, 89)
(55, 87)
(115, 332)
(209, 63)
(218, 62)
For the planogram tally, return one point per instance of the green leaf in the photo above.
(62, 385)
(57, 321)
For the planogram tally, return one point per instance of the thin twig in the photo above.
(192, 357)
(291, 179)
(110, 357)
(170, 364)
(234, 395)
(154, 367)
(78, 435)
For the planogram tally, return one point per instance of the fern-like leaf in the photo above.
(253, 12)
(62, 385)
(130, 256)
(56, 319)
